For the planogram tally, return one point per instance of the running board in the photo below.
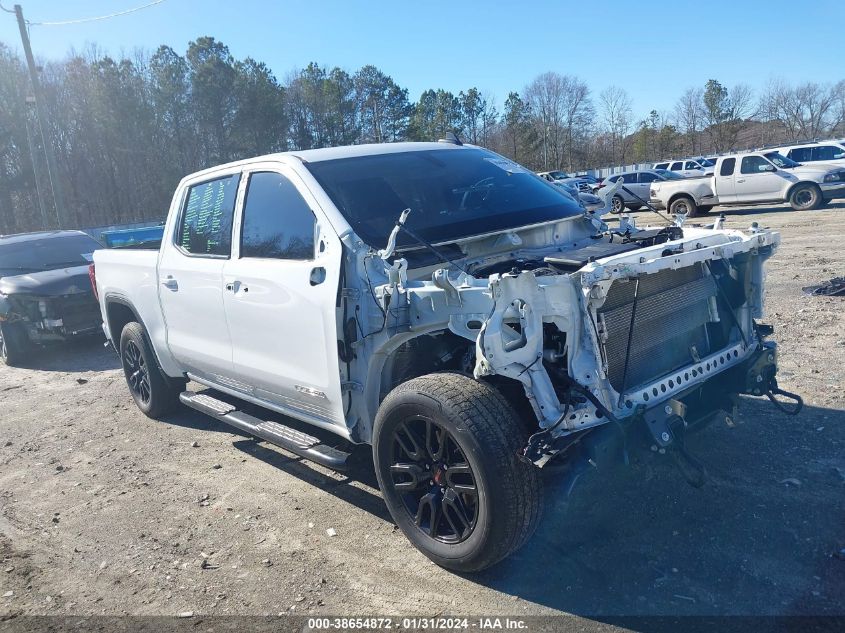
(289, 439)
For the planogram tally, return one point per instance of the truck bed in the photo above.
(130, 276)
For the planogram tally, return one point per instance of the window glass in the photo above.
(780, 160)
(277, 222)
(452, 193)
(206, 226)
(692, 165)
(754, 165)
(677, 166)
(646, 176)
(629, 178)
(800, 154)
(728, 166)
(26, 254)
(661, 166)
(828, 152)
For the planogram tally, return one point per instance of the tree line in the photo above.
(124, 131)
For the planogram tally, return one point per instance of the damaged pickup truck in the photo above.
(460, 314)
(45, 291)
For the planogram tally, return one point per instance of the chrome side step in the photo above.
(289, 439)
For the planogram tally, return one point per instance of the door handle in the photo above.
(740, 179)
(318, 276)
(236, 286)
(170, 283)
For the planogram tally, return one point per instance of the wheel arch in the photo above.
(678, 196)
(795, 185)
(433, 351)
(119, 311)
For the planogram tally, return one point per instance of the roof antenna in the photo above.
(451, 138)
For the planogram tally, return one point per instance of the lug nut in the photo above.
(759, 378)
(665, 436)
(668, 409)
(771, 358)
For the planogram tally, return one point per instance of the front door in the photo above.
(280, 297)
(757, 180)
(190, 277)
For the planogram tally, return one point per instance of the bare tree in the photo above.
(689, 112)
(562, 112)
(616, 115)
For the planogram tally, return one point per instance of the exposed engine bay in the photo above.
(602, 329)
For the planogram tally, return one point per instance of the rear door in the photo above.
(280, 296)
(725, 177)
(644, 180)
(190, 276)
(757, 180)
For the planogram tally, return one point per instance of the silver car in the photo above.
(634, 192)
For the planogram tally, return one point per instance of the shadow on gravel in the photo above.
(762, 537)
(360, 461)
(360, 470)
(84, 354)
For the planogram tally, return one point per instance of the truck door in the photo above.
(758, 180)
(724, 179)
(281, 292)
(190, 276)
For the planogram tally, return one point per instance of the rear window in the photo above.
(728, 166)
(206, 224)
(46, 253)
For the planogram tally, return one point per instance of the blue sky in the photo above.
(653, 50)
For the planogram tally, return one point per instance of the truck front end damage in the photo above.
(647, 342)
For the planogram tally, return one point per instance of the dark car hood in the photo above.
(48, 283)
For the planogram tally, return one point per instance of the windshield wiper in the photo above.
(400, 226)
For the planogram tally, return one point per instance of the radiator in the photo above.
(669, 328)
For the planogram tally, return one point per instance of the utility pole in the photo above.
(41, 116)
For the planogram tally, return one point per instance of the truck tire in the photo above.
(153, 392)
(685, 205)
(634, 207)
(805, 197)
(617, 204)
(705, 208)
(14, 343)
(445, 449)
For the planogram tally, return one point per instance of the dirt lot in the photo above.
(103, 511)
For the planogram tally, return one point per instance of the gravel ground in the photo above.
(103, 511)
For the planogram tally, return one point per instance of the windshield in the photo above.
(780, 160)
(452, 193)
(47, 253)
(704, 162)
(668, 175)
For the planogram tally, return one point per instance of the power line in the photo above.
(98, 18)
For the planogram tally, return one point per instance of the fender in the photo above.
(169, 367)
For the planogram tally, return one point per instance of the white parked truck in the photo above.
(751, 178)
(450, 308)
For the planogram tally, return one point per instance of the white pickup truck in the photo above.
(460, 314)
(751, 178)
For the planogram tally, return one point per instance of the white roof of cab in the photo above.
(329, 153)
(371, 149)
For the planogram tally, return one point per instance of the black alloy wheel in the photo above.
(435, 480)
(137, 374)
